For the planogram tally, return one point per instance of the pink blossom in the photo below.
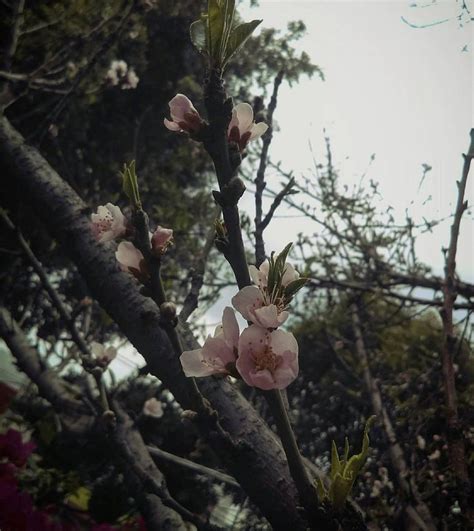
(153, 408)
(242, 129)
(161, 239)
(254, 306)
(184, 117)
(260, 276)
(267, 360)
(104, 355)
(132, 261)
(218, 354)
(109, 223)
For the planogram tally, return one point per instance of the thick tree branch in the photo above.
(256, 460)
(76, 415)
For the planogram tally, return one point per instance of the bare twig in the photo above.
(260, 179)
(159, 454)
(455, 434)
(191, 301)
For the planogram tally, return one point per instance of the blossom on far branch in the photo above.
(242, 128)
(103, 355)
(119, 73)
(184, 116)
(132, 261)
(108, 223)
(267, 360)
(153, 408)
(161, 239)
(218, 354)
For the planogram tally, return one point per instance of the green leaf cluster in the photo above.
(344, 471)
(217, 35)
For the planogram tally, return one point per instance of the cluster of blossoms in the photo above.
(241, 130)
(109, 223)
(262, 355)
(120, 74)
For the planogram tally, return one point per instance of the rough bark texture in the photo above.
(256, 459)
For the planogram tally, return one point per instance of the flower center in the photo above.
(266, 359)
(105, 223)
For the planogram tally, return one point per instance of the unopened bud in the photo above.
(168, 311)
(188, 414)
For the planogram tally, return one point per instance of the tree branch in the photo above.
(456, 444)
(256, 460)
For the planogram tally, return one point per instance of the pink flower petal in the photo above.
(258, 130)
(282, 342)
(230, 327)
(216, 352)
(172, 126)
(289, 275)
(247, 298)
(267, 316)
(244, 115)
(263, 380)
(128, 256)
(179, 106)
(193, 364)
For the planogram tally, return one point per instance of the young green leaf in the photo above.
(238, 37)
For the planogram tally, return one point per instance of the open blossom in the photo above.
(253, 304)
(267, 360)
(184, 117)
(104, 355)
(108, 223)
(153, 408)
(117, 70)
(218, 354)
(131, 260)
(260, 276)
(242, 129)
(131, 80)
(161, 239)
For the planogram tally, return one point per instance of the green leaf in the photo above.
(294, 286)
(238, 37)
(229, 13)
(216, 23)
(130, 184)
(339, 491)
(335, 462)
(197, 32)
(320, 489)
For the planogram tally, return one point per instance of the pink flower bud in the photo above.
(184, 117)
(161, 239)
(242, 129)
(153, 408)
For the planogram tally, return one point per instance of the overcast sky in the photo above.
(404, 94)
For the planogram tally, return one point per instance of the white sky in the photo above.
(404, 94)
